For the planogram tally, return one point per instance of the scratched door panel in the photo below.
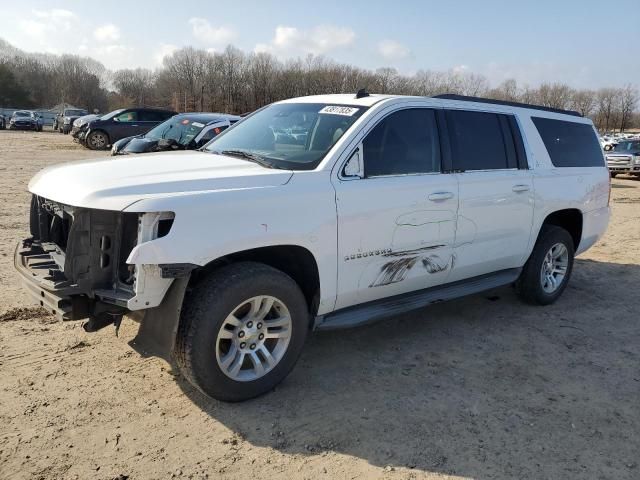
(494, 222)
(392, 238)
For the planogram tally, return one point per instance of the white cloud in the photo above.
(392, 50)
(318, 40)
(107, 33)
(165, 50)
(57, 13)
(46, 23)
(207, 33)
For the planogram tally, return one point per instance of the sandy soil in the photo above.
(484, 387)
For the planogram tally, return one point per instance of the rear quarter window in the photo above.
(569, 144)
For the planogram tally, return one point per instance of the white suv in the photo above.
(315, 213)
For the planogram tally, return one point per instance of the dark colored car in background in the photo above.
(185, 131)
(25, 120)
(64, 121)
(102, 132)
(80, 123)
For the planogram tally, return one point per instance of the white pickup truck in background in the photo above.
(318, 212)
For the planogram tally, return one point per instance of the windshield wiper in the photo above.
(252, 157)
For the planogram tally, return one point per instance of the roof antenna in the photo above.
(362, 93)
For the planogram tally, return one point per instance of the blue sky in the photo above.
(583, 43)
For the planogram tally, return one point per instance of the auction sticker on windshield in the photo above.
(337, 110)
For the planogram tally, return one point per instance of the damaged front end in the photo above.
(75, 262)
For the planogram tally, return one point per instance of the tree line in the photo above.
(234, 81)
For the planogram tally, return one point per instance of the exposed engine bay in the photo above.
(76, 260)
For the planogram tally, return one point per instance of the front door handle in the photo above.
(520, 188)
(440, 196)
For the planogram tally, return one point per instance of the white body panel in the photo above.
(224, 205)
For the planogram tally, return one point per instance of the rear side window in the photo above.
(404, 142)
(481, 141)
(153, 116)
(569, 144)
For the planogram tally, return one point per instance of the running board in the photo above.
(388, 307)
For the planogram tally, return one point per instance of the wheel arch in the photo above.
(570, 219)
(296, 261)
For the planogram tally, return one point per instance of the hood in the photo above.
(85, 119)
(136, 144)
(117, 182)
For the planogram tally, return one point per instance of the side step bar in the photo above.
(387, 307)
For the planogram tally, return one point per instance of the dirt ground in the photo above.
(483, 387)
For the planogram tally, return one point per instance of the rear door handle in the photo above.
(440, 196)
(520, 188)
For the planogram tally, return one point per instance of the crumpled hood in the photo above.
(117, 182)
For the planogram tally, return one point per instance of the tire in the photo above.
(66, 130)
(613, 175)
(97, 140)
(531, 284)
(205, 316)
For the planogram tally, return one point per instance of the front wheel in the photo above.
(97, 140)
(242, 329)
(547, 272)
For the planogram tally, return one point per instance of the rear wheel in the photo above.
(547, 272)
(242, 329)
(97, 140)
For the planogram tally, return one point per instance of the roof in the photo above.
(491, 101)
(343, 99)
(445, 100)
(205, 117)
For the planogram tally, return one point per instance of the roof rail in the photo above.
(465, 98)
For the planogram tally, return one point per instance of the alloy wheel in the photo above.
(554, 268)
(253, 338)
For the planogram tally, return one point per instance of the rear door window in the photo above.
(153, 116)
(569, 144)
(405, 142)
(481, 141)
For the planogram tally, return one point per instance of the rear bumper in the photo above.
(594, 226)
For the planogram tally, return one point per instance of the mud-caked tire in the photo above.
(235, 317)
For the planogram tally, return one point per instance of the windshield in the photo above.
(296, 136)
(182, 130)
(22, 114)
(627, 146)
(76, 113)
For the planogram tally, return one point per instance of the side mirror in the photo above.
(354, 168)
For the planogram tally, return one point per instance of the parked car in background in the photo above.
(63, 122)
(625, 158)
(231, 255)
(186, 131)
(81, 123)
(25, 120)
(608, 143)
(102, 132)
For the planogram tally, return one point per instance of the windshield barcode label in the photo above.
(336, 110)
